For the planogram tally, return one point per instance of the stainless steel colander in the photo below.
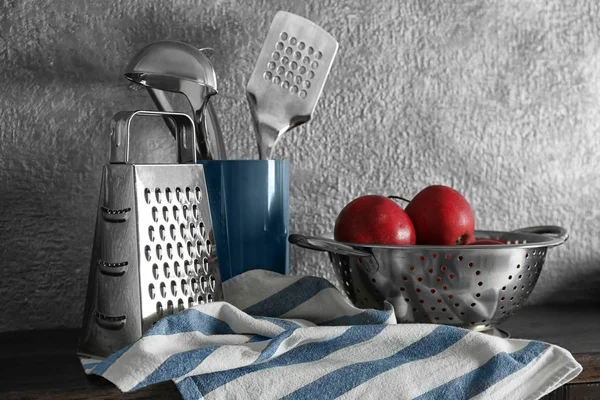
(474, 287)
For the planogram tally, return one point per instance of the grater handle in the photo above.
(121, 128)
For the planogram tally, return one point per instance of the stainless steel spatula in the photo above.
(288, 77)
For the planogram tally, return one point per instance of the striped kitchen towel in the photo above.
(297, 337)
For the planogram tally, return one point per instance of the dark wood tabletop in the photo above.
(43, 364)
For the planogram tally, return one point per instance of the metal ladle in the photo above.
(178, 67)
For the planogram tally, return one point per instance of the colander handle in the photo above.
(559, 233)
(323, 244)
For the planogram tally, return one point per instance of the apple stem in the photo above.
(398, 198)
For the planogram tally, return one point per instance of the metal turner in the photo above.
(288, 77)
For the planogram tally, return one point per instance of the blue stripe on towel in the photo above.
(191, 320)
(366, 317)
(104, 365)
(188, 389)
(177, 365)
(280, 322)
(308, 352)
(344, 379)
(497, 368)
(273, 346)
(289, 298)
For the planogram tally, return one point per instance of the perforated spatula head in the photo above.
(288, 77)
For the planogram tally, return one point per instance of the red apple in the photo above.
(441, 216)
(374, 219)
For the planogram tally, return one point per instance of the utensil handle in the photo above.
(323, 244)
(559, 233)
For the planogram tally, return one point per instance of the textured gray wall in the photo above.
(499, 99)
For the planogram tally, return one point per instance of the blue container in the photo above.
(249, 205)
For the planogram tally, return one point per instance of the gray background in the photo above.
(498, 99)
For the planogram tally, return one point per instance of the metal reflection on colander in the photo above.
(475, 287)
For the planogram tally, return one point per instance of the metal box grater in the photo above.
(154, 251)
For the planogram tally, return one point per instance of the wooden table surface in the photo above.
(43, 364)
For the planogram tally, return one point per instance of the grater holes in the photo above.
(177, 269)
(283, 35)
(213, 282)
(165, 213)
(155, 271)
(158, 194)
(302, 94)
(188, 194)
(158, 252)
(174, 288)
(301, 45)
(189, 248)
(203, 283)
(152, 291)
(183, 231)
(159, 309)
(188, 268)
(167, 270)
(180, 250)
(161, 232)
(194, 284)
(209, 298)
(193, 232)
(169, 195)
(314, 65)
(205, 265)
(197, 266)
(173, 232)
(293, 41)
(311, 74)
(155, 214)
(195, 212)
(184, 287)
(199, 247)
(185, 212)
(170, 307)
(318, 55)
(151, 233)
(271, 64)
(147, 196)
(208, 246)
(202, 229)
(147, 252)
(180, 305)
(178, 195)
(163, 290)
(176, 213)
(198, 193)
(201, 299)
(190, 302)
(289, 51)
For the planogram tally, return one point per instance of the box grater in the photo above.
(154, 251)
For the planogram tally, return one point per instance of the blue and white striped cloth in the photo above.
(297, 337)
